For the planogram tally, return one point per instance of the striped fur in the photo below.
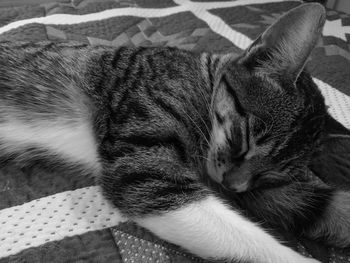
(145, 122)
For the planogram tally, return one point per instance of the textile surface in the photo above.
(51, 217)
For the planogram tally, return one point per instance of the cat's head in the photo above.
(268, 115)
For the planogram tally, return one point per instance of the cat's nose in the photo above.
(238, 188)
(236, 181)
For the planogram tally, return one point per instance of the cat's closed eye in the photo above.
(219, 118)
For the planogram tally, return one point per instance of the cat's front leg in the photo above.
(156, 190)
(209, 229)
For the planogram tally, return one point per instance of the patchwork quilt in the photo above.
(51, 217)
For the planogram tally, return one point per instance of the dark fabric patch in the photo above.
(95, 246)
(333, 70)
(83, 7)
(30, 32)
(107, 29)
(176, 23)
(205, 1)
(212, 42)
(329, 41)
(155, 3)
(252, 20)
(14, 3)
(102, 6)
(190, 34)
(18, 186)
(275, 8)
(186, 31)
(8, 15)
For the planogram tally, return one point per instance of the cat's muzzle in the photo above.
(237, 181)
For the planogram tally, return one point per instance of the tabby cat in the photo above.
(146, 122)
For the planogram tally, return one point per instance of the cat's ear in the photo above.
(284, 47)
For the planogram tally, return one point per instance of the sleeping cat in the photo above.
(144, 122)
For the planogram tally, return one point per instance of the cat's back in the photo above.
(74, 81)
(45, 78)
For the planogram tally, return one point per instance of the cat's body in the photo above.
(94, 98)
(145, 121)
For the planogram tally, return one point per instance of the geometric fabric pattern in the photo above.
(78, 227)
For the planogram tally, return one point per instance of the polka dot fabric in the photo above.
(195, 25)
(339, 256)
(136, 244)
(135, 250)
(53, 218)
(302, 250)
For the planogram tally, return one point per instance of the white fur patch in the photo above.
(73, 141)
(209, 229)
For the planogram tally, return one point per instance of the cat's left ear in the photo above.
(282, 50)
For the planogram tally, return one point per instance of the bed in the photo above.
(51, 217)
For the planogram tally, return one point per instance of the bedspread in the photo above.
(51, 217)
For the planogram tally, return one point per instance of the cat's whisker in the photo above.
(266, 131)
(203, 157)
(278, 136)
(200, 117)
(252, 195)
(260, 119)
(207, 104)
(197, 113)
(198, 128)
(294, 178)
(273, 121)
(340, 136)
